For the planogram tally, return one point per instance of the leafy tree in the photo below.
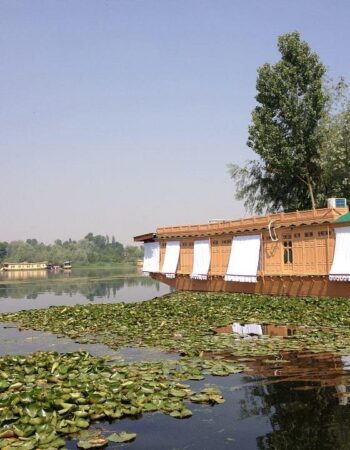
(91, 249)
(132, 253)
(32, 242)
(3, 250)
(335, 150)
(284, 132)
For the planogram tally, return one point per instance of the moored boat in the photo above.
(9, 266)
(301, 253)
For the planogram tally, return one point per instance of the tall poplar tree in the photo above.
(284, 132)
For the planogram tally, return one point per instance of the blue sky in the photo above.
(120, 116)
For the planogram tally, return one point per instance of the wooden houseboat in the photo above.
(8, 266)
(301, 253)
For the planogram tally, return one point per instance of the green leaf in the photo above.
(97, 442)
(123, 436)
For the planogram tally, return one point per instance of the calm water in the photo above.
(304, 407)
(40, 289)
(301, 404)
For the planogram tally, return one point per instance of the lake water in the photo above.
(301, 404)
(41, 289)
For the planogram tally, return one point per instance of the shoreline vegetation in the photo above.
(57, 396)
(92, 250)
(80, 274)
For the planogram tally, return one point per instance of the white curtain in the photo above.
(151, 257)
(244, 259)
(340, 270)
(201, 259)
(171, 259)
(249, 328)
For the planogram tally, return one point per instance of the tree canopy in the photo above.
(300, 141)
(89, 250)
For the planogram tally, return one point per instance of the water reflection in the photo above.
(20, 275)
(85, 272)
(70, 291)
(14, 341)
(285, 415)
(256, 329)
(301, 416)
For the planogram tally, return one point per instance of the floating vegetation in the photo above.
(46, 397)
(186, 322)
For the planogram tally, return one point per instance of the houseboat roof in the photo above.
(257, 223)
(24, 262)
(344, 218)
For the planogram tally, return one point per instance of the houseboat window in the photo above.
(323, 233)
(215, 242)
(287, 236)
(163, 244)
(287, 252)
(183, 244)
(309, 234)
(297, 235)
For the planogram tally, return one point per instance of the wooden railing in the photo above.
(296, 217)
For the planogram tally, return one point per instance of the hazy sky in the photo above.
(120, 116)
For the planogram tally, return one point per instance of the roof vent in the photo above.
(336, 203)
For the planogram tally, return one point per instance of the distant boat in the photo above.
(24, 266)
(67, 265)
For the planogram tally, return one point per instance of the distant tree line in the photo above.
(91, 249)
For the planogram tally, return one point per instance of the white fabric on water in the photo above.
(201, 259)
(171, 259)
(237, 328)
(151, 257)
(345, 359)
(340, 270)
(249, 328)
(244, 259)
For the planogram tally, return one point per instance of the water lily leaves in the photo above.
(177, 393)
(95, 442)
(123, 436)
(49, 407)
(81, 423)
(210, 395)
(181, 414)
(194, 317)
(3, 385)
(48, 395)
(7, 434)
(32, 409)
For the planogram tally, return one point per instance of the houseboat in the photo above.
(8, 266)
(67, 265)
(301, 253)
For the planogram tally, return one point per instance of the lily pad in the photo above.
(92, 443)
(122, 436)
